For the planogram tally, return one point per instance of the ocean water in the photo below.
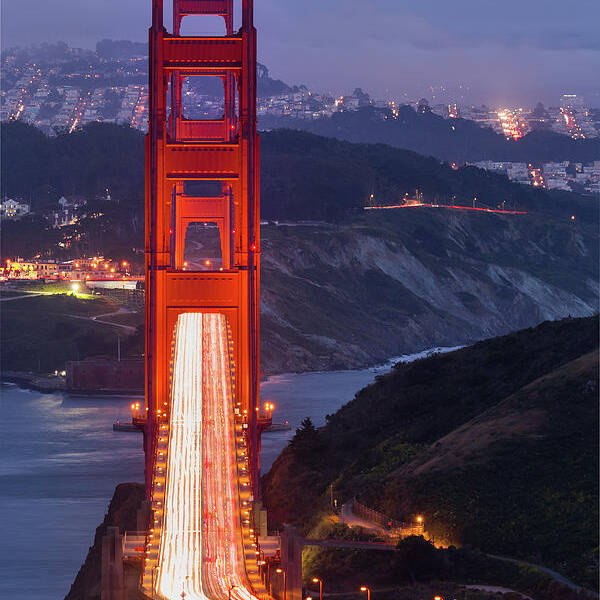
(61, 461)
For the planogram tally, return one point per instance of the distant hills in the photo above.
(120, 49)
(495, 445)
(453, 140)
(303, 176)
(124, 49)
(352, 288)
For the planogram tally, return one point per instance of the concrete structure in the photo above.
(288, 583)
(112, 574)
(102, 373)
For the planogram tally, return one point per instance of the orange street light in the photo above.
(320, 582)
(366, 589)
(284, 582)
(420, 520)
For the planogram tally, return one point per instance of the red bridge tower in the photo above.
(202, 171)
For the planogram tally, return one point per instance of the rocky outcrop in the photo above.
(122, 513)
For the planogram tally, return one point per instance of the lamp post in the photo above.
(284, 582)
(420, 522)
(366, 589)
(152, 572)
(320, 582)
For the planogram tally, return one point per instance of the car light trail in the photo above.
(201, 543)
(451, 206)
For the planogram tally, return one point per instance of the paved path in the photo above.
(348, 517)
(126, 328)
(554, 574)
(20, 297)
(496, 589)
(121, 311)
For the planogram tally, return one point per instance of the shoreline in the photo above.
(52, 384)
(43, 384)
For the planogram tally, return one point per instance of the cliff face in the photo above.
(400, 281)
(122, 513)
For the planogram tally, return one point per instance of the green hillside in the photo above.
(496, 445)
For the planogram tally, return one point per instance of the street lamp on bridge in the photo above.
(366, 589)
(284, 582)
(320, 582)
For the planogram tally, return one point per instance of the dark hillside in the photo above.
(455, 140)
(303, 176)
(495, 444)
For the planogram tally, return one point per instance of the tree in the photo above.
(417, 558)
(306, 445)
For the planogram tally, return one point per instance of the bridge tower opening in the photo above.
(201, 170)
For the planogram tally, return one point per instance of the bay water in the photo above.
(61, 461)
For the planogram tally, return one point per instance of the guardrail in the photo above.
(395, 528)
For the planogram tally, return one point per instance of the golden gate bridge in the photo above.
(202, 424)
(202, 437)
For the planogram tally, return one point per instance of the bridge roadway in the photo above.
(205, 544)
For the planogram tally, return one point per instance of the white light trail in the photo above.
(201, 544)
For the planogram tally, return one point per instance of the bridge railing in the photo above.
(396, 528)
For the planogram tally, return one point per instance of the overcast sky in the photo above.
(502, 50)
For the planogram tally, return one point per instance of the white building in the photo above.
(13, 209)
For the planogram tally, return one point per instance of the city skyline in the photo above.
(534, 53)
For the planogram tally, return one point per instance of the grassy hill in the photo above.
(41, 333)
(496, 445)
